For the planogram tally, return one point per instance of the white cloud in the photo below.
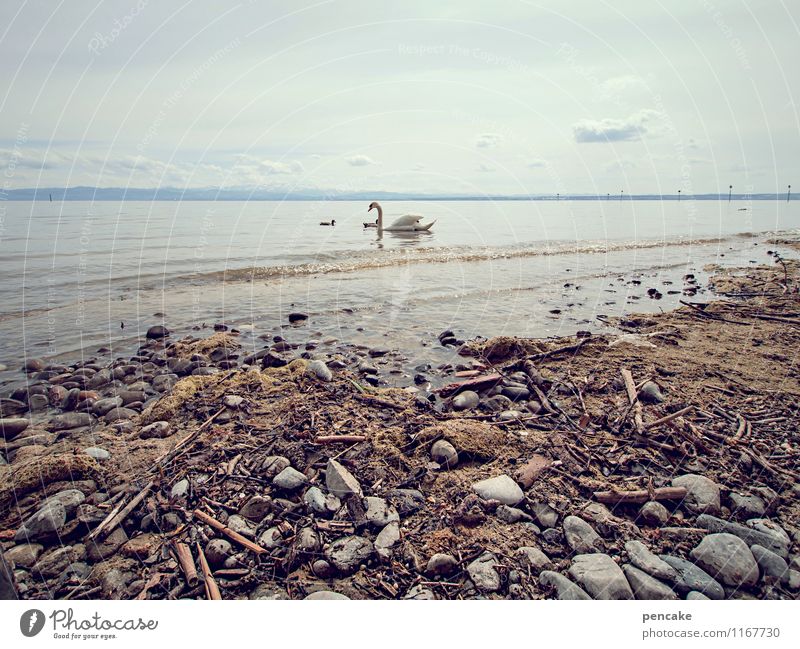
(360, 161)
(487, 140)
(615, 130)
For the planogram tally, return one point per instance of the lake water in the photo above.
(74, 272)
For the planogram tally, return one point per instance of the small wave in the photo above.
(355, 261)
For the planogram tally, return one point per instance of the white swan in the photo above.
(406, 223)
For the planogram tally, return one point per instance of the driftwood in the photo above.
(184, 556)
(212, 590)
(669, 417)
(555, 352)
(116, 516)
(639, 496)
(340, 439)
(234, 536)
(477, 384)
(630, 388)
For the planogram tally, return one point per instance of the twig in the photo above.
(639, 496)
(670, 417)
(630, 388)
(337, 439)
(212, 590)
(112, 520)
(235, 536)
(184, 555)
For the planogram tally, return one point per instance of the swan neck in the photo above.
(380, 217)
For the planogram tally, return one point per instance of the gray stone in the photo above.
(646, 587)
(441, 565)
(320, 370)
(326, 595)
(483, 574)
(24, 555)
(179, 489)
(794, 580)
(320, 503)
(70, 420)
(580, 536)
(232, 401)
(99, 550)
(323, 569)
(10, 427)
(349, 552)
(156, 430)
(651, 393)
(70, 498)
(97, 453)
(444, 453)
(770, 528)
(654, 513)
(44, 523)
(533, 558)
(600, 576)
(641, 557)
(256, 508)
(545, 515)
(387, 539)
(289, 479)
(772, 566)
(747, 506)
(692, 577)
(694, 595)
(307, 541)
(516, 392)
(509, 415)
(339, 481)
(407, 501)
(771, 540)
(241, 526)
(54, 563)
(268, 592)
(379, 513)
(512, 515)
(217, 550)
(466, 400)
(103, 406)
(419, 592)
(501, 488)
(271, 539)
(274, 464)
(702, 494)
(565, 589)
(119, 414)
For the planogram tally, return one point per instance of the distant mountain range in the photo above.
(243, 194)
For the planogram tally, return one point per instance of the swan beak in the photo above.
(369, 209)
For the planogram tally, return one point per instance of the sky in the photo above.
(483, 98)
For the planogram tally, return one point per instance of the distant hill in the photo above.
(244, 194)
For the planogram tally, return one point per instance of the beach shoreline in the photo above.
(493, 469)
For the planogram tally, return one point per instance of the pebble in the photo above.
(157, 332)
(289, 479)
(232, 401)
(483, 574)
(726, 558)
(179, 489)
(501, 488)
(770, 528)
(533, 558)
(580, 536)
(340, 481)
(274, 464)
(444, 453)
(54, 563)
(326, 595)
(386, 539)
(771, 540)
(419, 592)
(747, 506)
(646, 587)
(565, 589)
(651, 393)
(319, 503)
(600, 576)
(70, 420)
(71, 499)
(466, 400)
(771, 564)
(271, 539)
(349, 552)
(297, 317)
(156, 430)
(509, 415)
(379, 513)
(320, 370)
(544, 514)
(97, 453)
(323, 569)
(695, 595)
(24, 555)
(692, 577)
(97, 551)
(516, 392)
(654, 513)
(103, 406)
(256, 508)
(42, 524)
(407, 501)
(511, 514)
(702, 494)
(441, 565)
(217, 550)
(641, 557)
(10, 427)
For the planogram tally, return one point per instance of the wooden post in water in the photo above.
(788, 193)
(621, 192)
(679, 195)
(730, 191)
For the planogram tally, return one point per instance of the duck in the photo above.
(331, 222)
(406, 223)
(371, 225)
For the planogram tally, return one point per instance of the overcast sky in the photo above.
(471, 96)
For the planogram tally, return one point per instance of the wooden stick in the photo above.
(639, 496)
(336, 439)
(560, 350)
(111, 521)
(184, 555)
(670, 417)
(212, 590)
(234, 536)
(630, 388)
(186, 440)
